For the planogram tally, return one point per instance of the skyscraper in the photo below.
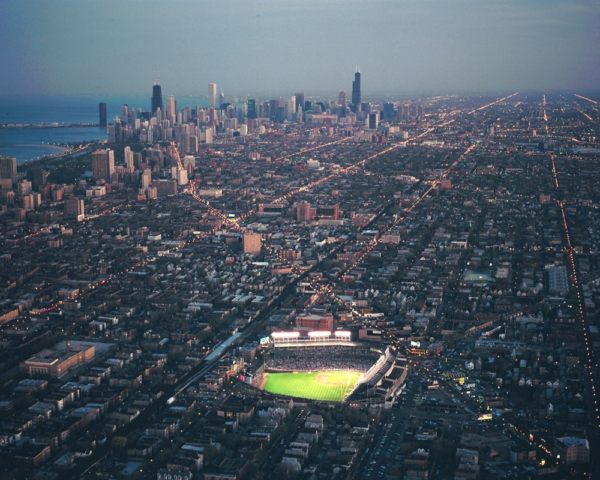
(403, 112)
(252, 108)
(273, 106)
(280, 117)
(102, 110)
(129, 158)
(212, 95)
(299, 100)
(413, 111)
(171, 107)
(74, 207)
(373, 121)
(8, 169)
(221, 100)
(388, 111)
(110, 155)
(125, 114)
(39, 178)
(156, 98)
(23, 188)
(291, 105)
(103, 164)
(356, 90)
(99, 165)
(146, 178)
(342, 98)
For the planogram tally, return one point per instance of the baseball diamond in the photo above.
(327, 385)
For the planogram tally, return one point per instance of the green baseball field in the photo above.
(328, 386)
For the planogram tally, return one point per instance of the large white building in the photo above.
(172, 108)
(212, 95)
(129, 159)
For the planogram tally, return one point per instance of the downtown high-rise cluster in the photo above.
(191, 126)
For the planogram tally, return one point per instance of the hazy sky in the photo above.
(283, 46)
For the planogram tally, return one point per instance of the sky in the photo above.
(251, 47)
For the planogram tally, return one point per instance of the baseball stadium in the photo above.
(329, 366)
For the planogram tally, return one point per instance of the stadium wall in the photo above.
(375, 369)
(371, 393)
(366, 378)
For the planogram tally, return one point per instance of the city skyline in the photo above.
(453, 46)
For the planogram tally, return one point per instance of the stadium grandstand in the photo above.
(319, 351)
(283, 341)
(379, 384)
(379, 373)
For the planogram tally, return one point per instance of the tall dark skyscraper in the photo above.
(40, 177)
(252, 108)
(281, 114)
(156, 98)
(388, 111)
(8, 169)
(356, 90)
(273, 106)
(299, 100)
(102, 108)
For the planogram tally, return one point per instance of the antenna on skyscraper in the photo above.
(156, 77)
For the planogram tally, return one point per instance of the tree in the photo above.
(210, 454)
(257, 475)
(231, 441)
(177, 353)
(119, 443)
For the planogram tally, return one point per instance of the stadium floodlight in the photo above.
(285, 334)
(319, 334)
(342, 333)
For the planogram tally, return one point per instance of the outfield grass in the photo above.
(330, 386)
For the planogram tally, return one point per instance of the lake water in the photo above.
(29, 144)
(32, 143)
